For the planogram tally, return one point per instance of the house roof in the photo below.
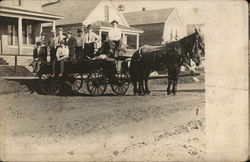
(149, 16)
(99, 24)
(17, 11)
(73, 11)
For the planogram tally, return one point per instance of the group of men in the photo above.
(68, 48)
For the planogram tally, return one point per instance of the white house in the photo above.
(97, 12)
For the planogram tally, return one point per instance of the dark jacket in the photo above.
(40, 54)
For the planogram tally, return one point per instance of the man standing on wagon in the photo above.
(79, 44)
(90, 39)
(59, 36)
(43, 47)
(71, 43)
(115, 36)
(52, 46)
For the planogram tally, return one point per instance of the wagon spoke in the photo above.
(97, 88)
(120, 84)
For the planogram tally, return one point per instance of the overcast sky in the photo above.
(190, 11)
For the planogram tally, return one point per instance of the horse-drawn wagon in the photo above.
(96, 73)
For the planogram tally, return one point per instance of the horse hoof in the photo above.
(174, 93)
(168, 93)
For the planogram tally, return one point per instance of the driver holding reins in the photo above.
(115, 36)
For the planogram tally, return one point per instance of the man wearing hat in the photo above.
(90, 39)
(52, 46)
(43, 46)
(115, 37)
(39, 57)
(62, 55)
(79, 44)
(59, 36)
(71, 43)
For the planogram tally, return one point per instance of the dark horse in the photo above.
(105, 49)
(171, 56)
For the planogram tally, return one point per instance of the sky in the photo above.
(191, 12)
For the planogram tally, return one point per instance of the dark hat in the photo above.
(89, 26)
(43, 34)
(114, 21)
(79, 30)
(39, 43)
(60, 29)
(69, 32)
(62, 41)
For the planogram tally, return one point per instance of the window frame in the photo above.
(14, 34)
(28, 37)
(106, 13)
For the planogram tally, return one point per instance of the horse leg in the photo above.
(134, 82)
(169, 83)
(175, 81)
(141, 89)
(146, 85)
(174, 89)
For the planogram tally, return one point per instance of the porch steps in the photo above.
(21, 61)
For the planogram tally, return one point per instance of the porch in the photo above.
(20, 29)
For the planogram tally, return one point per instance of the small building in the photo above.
(20, 27)
(159, 26)
(97, 12)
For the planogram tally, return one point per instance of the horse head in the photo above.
(194, 47)
(198, 47)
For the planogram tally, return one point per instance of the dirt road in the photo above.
(110, 128)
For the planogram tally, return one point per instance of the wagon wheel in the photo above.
(72, 82)
(120, 83)
(96, 83)
(49, 85)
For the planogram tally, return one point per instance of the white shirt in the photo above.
(62, 52)
(91, 37)
(115, 34)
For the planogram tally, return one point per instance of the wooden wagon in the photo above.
(96, 73)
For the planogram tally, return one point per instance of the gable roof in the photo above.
(149, 16)
(73, 11)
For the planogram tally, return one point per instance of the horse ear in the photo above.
(196, 30)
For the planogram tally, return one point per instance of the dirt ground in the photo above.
(109, 128)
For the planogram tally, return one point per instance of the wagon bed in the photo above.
(98, 74)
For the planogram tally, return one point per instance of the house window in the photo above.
(17, 2)
(106, 13)
(28, 33)
(12, 34)
(31, 34)
(24, 32)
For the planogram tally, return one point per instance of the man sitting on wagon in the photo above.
(115, 38)
(39, 57)
(62, 55)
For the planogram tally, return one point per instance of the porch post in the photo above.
(137, 41)
(53, 26)
(20, 36)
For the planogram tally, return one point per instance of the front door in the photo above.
(104, 37)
